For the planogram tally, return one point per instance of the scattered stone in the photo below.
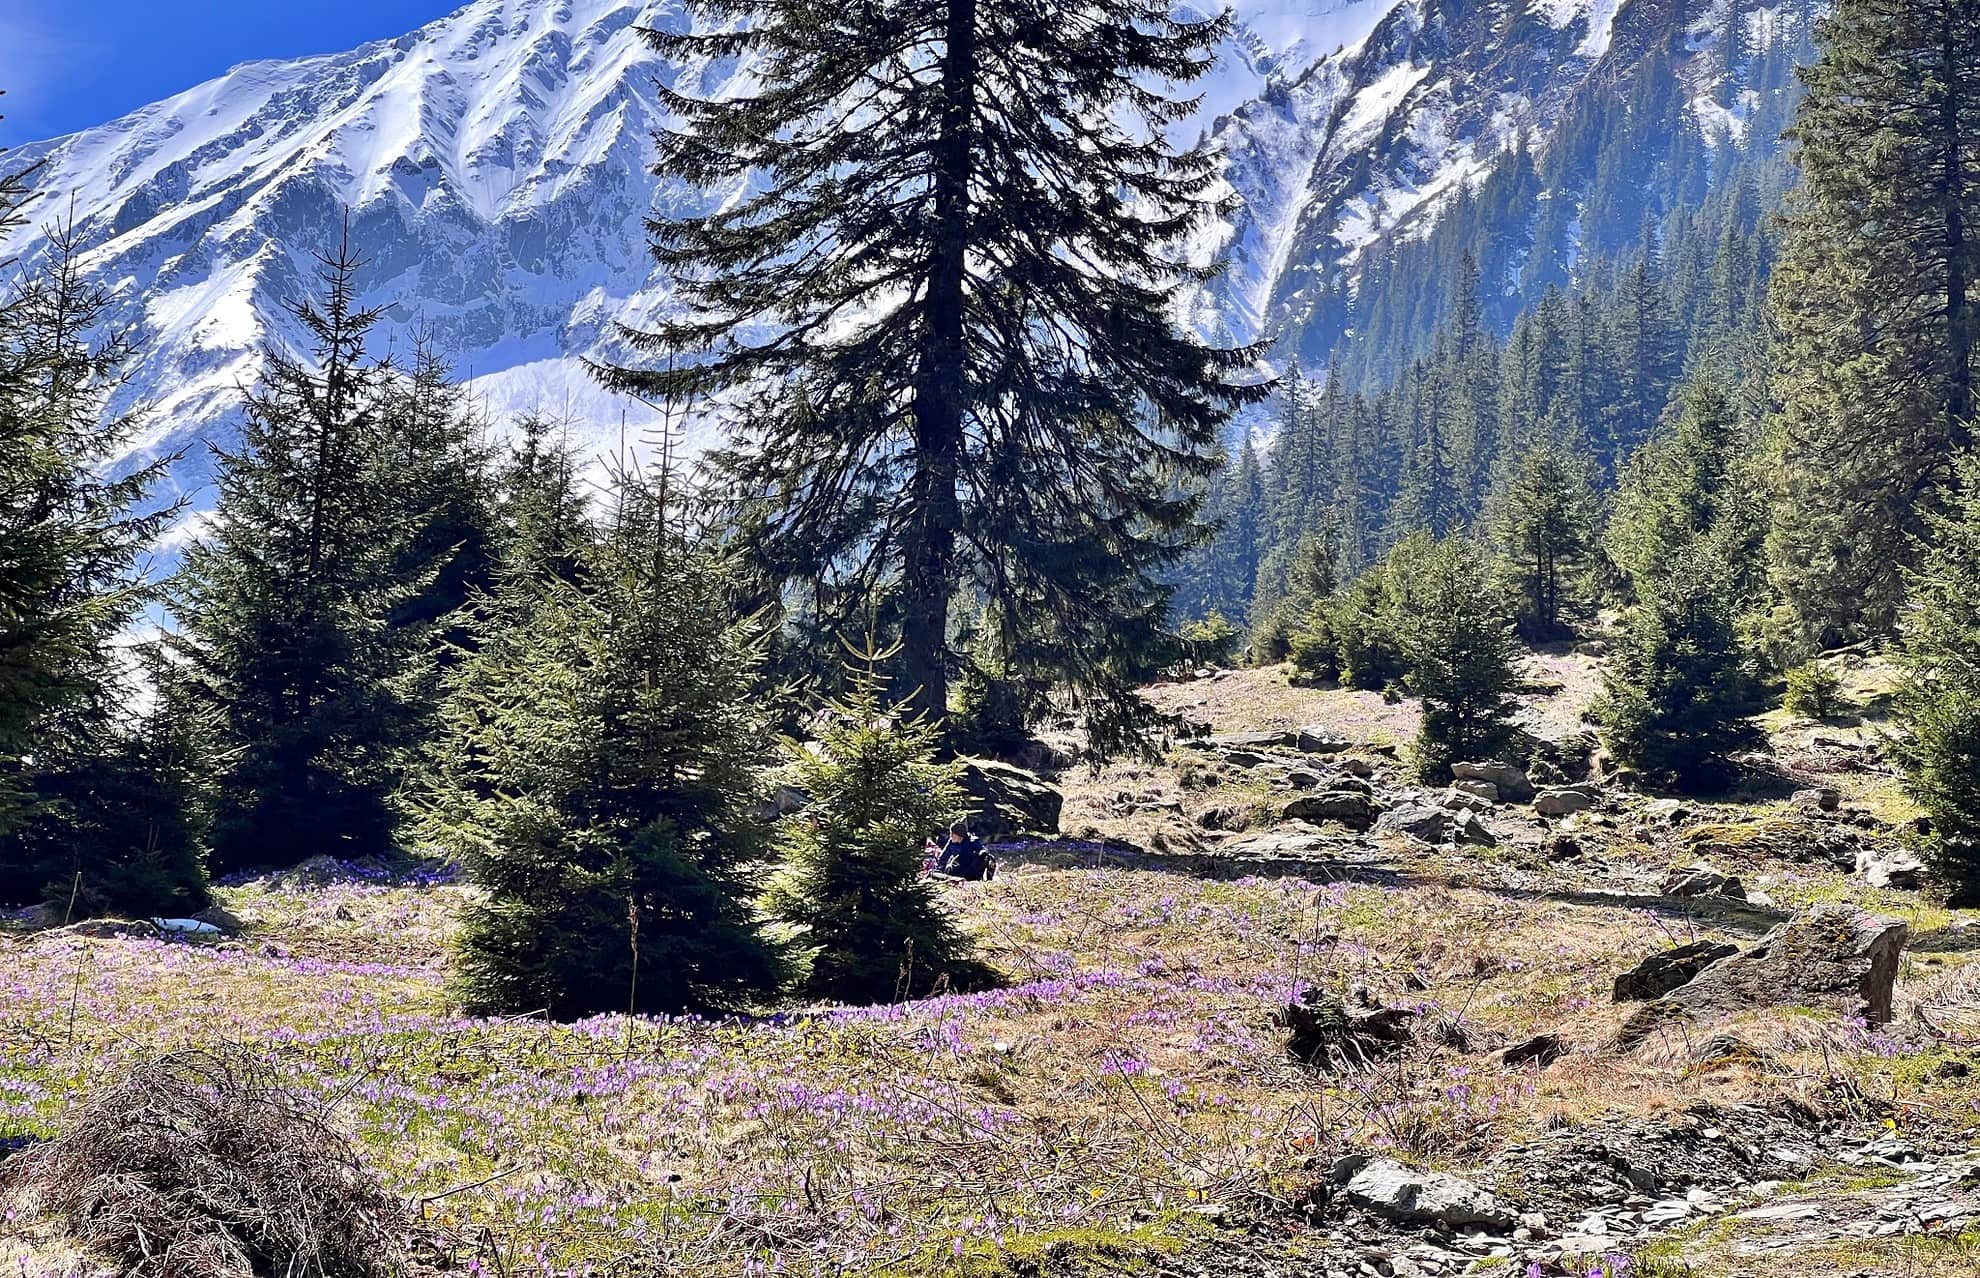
(1886, 865)
(1464, 800)
(1562, 801)
(1006, 799)
(1510, 782)
(1423, 821)
(1407, 1196)
(1223, 817)
(1356, 811)
(1314, 739)
(1699, 879)
(1542, 1050)
(1332, 1035)
(1261, 741)
(1467, 828)
(1659, 974)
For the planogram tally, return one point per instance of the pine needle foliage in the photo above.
(598, 777)
(1458, 642)
(1940, 698)
(73, 538)
(852, 880)
(285, 601)
(942, 315)
(1679, 688)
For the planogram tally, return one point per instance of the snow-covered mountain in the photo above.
(495, 166)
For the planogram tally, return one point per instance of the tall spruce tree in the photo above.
(597, 776)
(72, 538)
(1544, 527)
(1457, 641)
(1940, 698)
(943, 315)
(1678, 690)
(285, 600)
(1872, 298)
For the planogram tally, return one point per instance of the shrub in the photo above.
(874, 928)
(1813, 692)
(1212, 641)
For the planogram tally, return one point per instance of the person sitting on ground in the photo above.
(963, 857)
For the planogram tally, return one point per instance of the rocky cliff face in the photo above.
(494, 166)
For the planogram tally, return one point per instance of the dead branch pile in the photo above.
(201, 1165)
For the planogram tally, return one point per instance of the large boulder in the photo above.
(1508, 779)
(1425, 821)
(1315, 739)
(1699, 879)
(1408, 1196)
(1661, 973)
(1838, 958)
(1005, 799)
(1563, 801)
(1357, 811)
(1888, 865)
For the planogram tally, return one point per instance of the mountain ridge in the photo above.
(495, 166)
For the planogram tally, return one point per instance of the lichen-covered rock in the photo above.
(1838, 958)
(1508, 779)
(1005, 799)
(1661, 973)
(1345, 806)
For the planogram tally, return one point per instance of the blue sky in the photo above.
(69, 64)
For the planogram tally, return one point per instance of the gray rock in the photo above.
(1562, 801)
(1890, 866)
(1824, 798)
(1248, 741)
(1483, 790)
(1407, 1196)
(1315, 739)
(1005, 799)
(1423, 821)
(1304, 779)
(1837, 957)
(1345, 806)
(1509, 779)
(1699, 879)
(1542, 1050)
(1661, 973)
(1467, 828)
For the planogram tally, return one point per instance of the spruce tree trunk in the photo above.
(929, 569)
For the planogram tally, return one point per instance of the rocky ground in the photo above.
(1276, 1007)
